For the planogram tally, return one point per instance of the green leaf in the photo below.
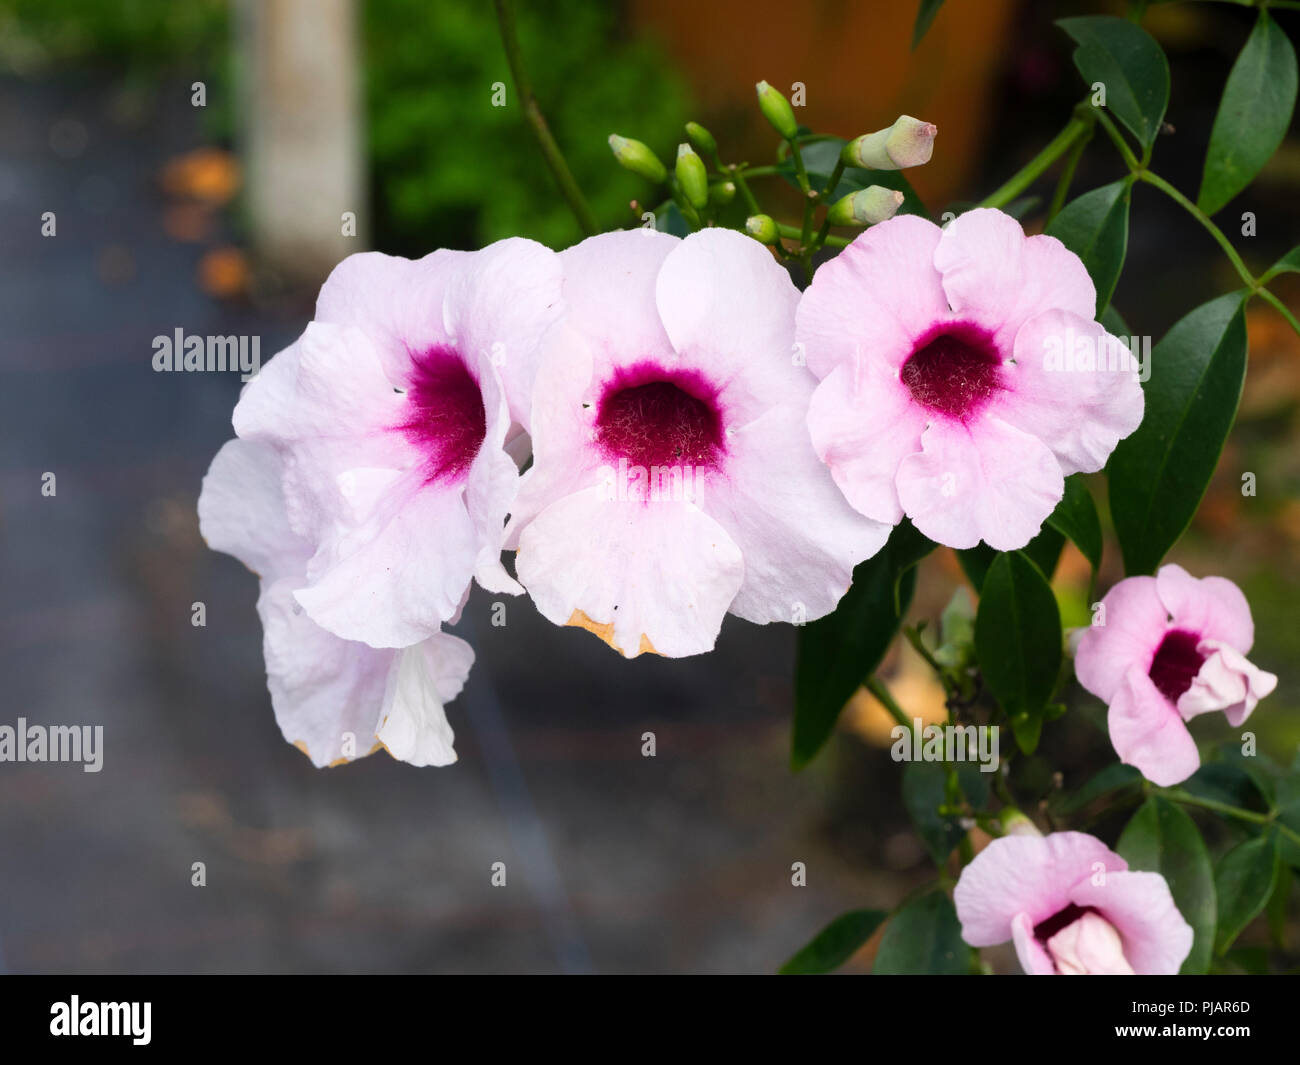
(1112, 778)
(1044, 550)
(924, 791)
(1095, 227)
(1288, 264)
(1160, 472)
(1126, 59)
(1288, 811)
(1161, 838)
(838, 652)
(1018, 641)
(1075, 516)
(835, 944)
(924, 936)
(1277, 906)
(924, 16)
(1224, 782)
(1253, 116)
(669, 219)
(1243, 883)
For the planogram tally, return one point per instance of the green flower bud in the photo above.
(762, 228)
(636, 157)
(723, 192)
(701, 138)
(692, 177)
(908, 142)
(865, 207)
(777, 110)
(1014, 823)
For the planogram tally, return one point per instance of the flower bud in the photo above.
(701, 138)
(908, 142)
(762, 228)
(1014, 823)
(777, 110)
(636, 157)
(723, 192)
(865, 207)
(692, 177)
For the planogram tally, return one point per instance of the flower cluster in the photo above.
(699, 439)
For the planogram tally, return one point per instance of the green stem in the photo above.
(1029, 173)
(793, 232)
(836, 174)
(537, 121)
(1130, 160)
(743, 185)
(1203, 218)
(1268, 297)
(1187, 799)
(877, 688)
(1067, 176)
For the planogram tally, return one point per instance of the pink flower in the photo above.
(334, 699)
(673, 479)
(392, 413)
(1162, 650)
(962, 376)
(1072, 907)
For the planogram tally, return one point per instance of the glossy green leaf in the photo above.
(924, 791)
(1126, 59)
(1018, 641)
(1253, 117)
(1243, 883)
(1288, 264)
(924, 17)
(1095, 228)
(924, 936)
(1159, 473)
(1044, 550)
(1113, 778)
(835, 944)
(838, 652)
(1076, 517)
(1161, 838)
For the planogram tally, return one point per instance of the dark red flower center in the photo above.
(1176, 663)
(447, 421)
(1045, 929)
(953, 369)
(653, 416)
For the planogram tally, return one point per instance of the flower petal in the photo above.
(1031, 954)
(241, 511)
(983, 481)
(1127, 633)
(496, 308)
(1147, 732)
(995, 274)
(1156, 937)
(1024, 875)
(874, 298)
(649, 576)
(413, 725)
(799, 537)
(1080, 409)
(863, 425)
(1212, 607)
(326, 692)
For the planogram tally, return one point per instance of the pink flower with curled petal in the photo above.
(1072, 907)
(1163, 650)
(334, 699)
(392, 414)
(962, 376)
(673, 479)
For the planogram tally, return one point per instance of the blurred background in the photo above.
(198, 159)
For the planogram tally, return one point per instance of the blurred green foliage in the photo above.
(447, 168)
